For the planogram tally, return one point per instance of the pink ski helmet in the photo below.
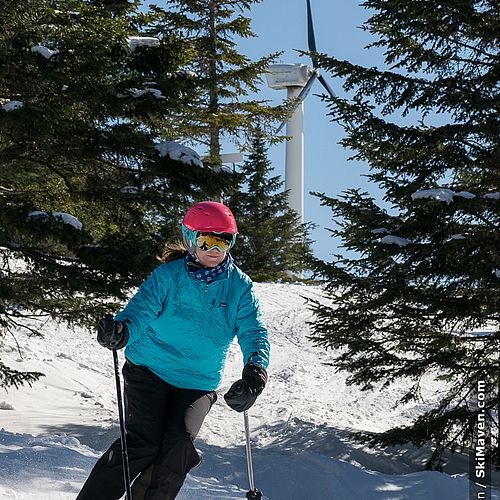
(210, 217)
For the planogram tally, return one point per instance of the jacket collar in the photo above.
(207, 274)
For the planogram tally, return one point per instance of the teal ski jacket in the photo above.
(181, 328)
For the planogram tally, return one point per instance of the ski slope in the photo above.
(52, 433)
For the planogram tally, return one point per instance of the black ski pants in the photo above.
(162, 422)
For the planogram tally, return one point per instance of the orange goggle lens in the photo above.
(223, 241)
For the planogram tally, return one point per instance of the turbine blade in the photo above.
(312, 48)
(303, 94)
(306, 88)
(311, 40)
(327, 87)
(278, 130)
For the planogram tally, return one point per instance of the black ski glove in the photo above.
(243, 393)
(112, 334)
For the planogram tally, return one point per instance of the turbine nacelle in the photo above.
(282, 76)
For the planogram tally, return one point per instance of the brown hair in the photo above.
(173, 251)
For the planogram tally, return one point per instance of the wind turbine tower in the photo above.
(293, 78)
(297, 79)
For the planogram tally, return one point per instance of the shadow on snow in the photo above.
(292, 459)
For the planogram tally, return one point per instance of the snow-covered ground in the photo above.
(53, 432)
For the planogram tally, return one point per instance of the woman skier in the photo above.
(176, 331)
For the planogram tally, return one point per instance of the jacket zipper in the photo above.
(203, 312)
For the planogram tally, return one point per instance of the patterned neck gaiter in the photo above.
(207, 274)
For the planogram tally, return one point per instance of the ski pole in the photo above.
(123, 438)
(252, 494)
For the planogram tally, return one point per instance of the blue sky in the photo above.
(281, 26)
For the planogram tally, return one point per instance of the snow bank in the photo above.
(492, 196)
(380, 230)
(136, 93)
(300, 426)
(133, 190)
(178, 152)
(12, 106)
(143, 41)
(44, 51)
(441, 194)
(63, 217)
(223, 168)
(394, 240)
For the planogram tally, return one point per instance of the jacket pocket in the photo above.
(221, 327)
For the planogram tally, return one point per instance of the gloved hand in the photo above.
(112, 334)
(243, 393)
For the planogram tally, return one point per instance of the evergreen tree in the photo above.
(273, 245)
(223, 76)
(88, 193)
(422, 278)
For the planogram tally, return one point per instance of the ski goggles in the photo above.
(222, 241)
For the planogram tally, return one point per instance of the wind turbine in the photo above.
(297, 79)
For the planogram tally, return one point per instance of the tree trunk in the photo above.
(213, 96)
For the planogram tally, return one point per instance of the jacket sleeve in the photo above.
(145, 306)
(251, 330)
